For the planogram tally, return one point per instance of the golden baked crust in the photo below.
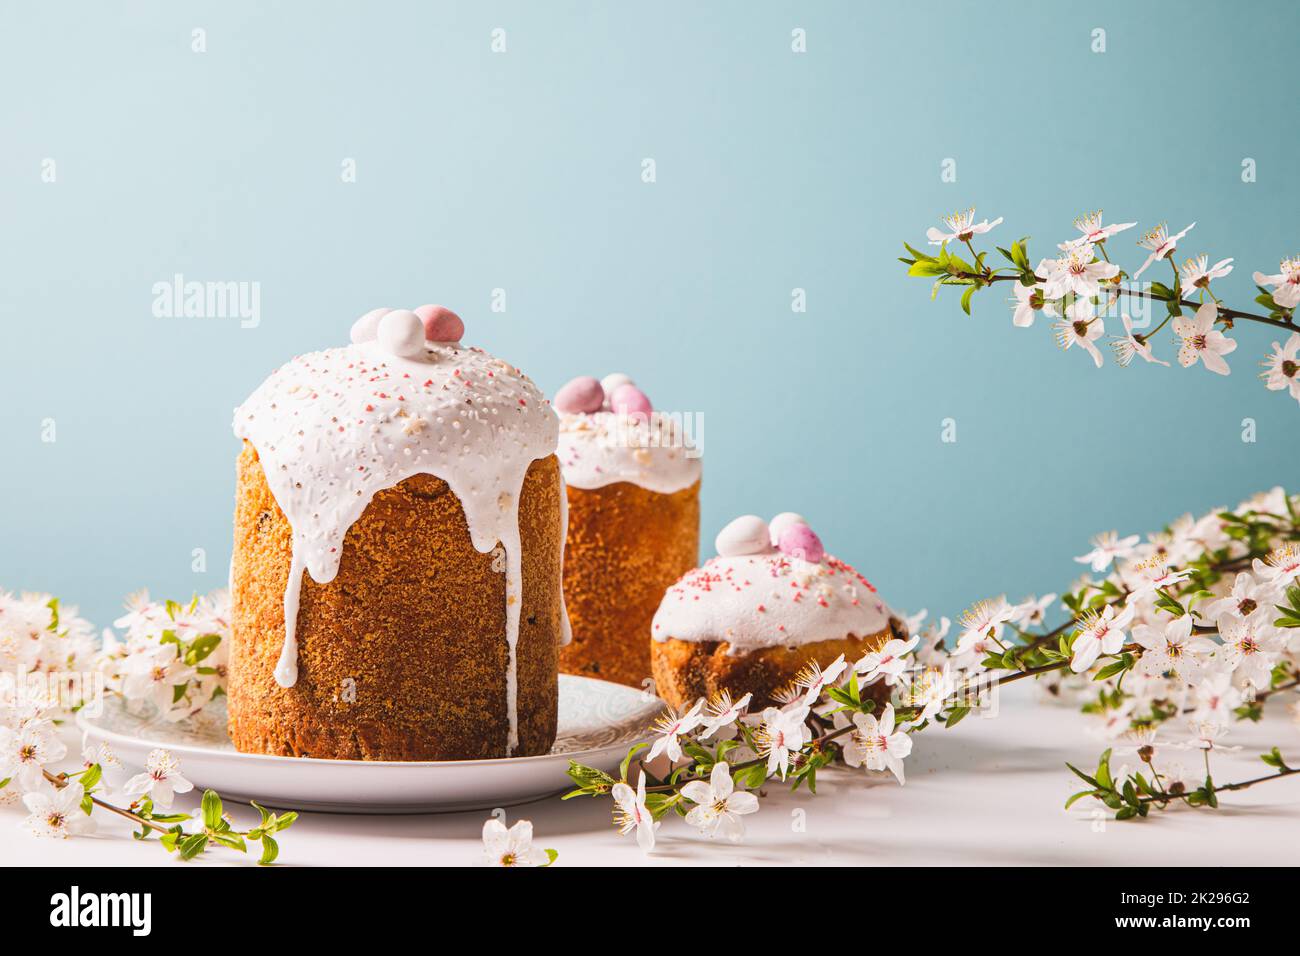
(403, 655)
(685, 671)
(625, 546)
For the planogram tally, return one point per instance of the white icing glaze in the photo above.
(603, 448)
(769, 600)
(334, 428)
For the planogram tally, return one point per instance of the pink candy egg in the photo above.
(800, 541)
(581, 396)
(630, 400)
(440, 323)
(366, 328)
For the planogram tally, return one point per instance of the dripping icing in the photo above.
(334, 428)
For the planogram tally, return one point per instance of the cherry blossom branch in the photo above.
(1078, 288)
(61, 780)
(1232, 315)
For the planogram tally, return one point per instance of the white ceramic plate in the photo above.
(598, 722)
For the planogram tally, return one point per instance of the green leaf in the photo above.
(551, 856)
(1079, 796)
(192, 846)
(1123, 663)
(1274, 759)
(965, 299)
(201, 647)
(1103, 772)
(1083, 777)
(232, 840)
(270, 850)
(211, 808)
(954, 716)
(627, 761)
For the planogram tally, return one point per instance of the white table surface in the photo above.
(989, 791)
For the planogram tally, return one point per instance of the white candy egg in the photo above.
(366, 328)
(402, 333)
(747, 534)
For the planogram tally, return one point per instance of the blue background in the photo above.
(522, 171)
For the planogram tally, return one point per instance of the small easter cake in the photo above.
(633, 482)
(399, 535)
(752, 618)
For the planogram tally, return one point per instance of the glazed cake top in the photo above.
(771, 585)
(333, 428)
(609, 433)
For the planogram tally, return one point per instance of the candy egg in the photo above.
(583, 395)
(745, 535)
(800, 541)
(611, 382)
(630, 400)
(440, 323)
(366, 328)
(402, 333)
(783, 521)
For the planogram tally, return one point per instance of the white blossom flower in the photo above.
(1216, 698)
(1032, 611)
(161, 780)
(57, 815)
(111, 769)
(928, 689)
(1147, 577)
(1249, 649)
(1281, 567)
(1286, 283)
(1078, 272)
(1246, 597)
(141, 614)
(1281, 368)
(631, 813)
(1143, 743)
(1100, 633)
(1082, 327)
(1130, 344)
(875, 744)
(961, 227)
(888, 662)
(1108, 546)
(722, 713)
(1201, 340)
(1160, 244)
(1197, 274)
(672, 726)
(153, 673)
(933, 651)
(984, 619)
(1093, 230)
(1206, 736)
(1030, 300)
(513, 847)
(1173, 649)
(814, 680)
(782, 733)
(25, 750)
(719, 805)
